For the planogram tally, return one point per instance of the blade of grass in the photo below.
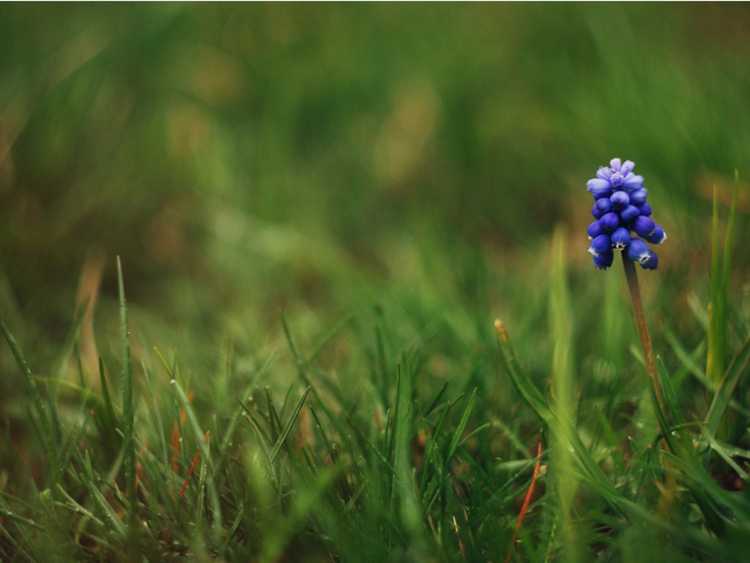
(107, 397)
(229, 433)
(723, 396)
(38, 405)
(563, 399)
(521, 382)
(461, 428)
(10, 515)
(298, 359)
(714, 356)
(721, 261)
(289, 426)
(409, 509)
(127, 400)
(99, 499)
(208, 461)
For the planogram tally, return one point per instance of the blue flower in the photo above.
(599, 188)
(629, 214)
(620, 238)
(609, 222)
(604, 204)
(604, 261)
(620, 200)
(600, 245)
(637, 250)
(638, 197)
(594, 230)
(657, 236)
(623, 217)
(644, 226)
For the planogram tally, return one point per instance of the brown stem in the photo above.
(640, 323)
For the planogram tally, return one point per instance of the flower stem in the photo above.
(640, 323)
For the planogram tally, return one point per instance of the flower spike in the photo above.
(623, 217)
(624, 223)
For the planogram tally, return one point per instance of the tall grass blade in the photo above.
(721, 260)
(39, 407)
(99, 498)
(128, 410)
(723, 397)
(298, 359)
(289, 426)
(563, 398)
(409, 509)
(201, 440)
(458, 433)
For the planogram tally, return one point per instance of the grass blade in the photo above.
(402, 433)
(461, 428)
(289, 426)
(200, 438)
(723, 396)
(721, 261)
(521, 382)
(37, 403)
(560, 319)
(127, 398)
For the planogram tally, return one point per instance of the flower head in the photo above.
(623, 217)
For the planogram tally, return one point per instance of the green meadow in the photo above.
(252, 258)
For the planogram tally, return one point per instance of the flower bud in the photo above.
(633, 182)
(629, 213)
(604, 204)
(599, 188)
(651, 262)
(603, 261)
(594, 230)
(609, 222)
(657, 236)
(644, 226)
(645, 209)
(638, 251)
(638, 197)
(619, 199)
(620, 238)
(600, 245)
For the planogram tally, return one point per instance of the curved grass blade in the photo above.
(521, 382)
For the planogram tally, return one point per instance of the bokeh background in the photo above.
(323, 160)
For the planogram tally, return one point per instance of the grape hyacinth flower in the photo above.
(622, 217)
(623, 223)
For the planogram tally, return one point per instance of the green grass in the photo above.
(320, 211)
(377, 457)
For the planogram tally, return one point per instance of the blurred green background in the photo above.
(245, 160)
